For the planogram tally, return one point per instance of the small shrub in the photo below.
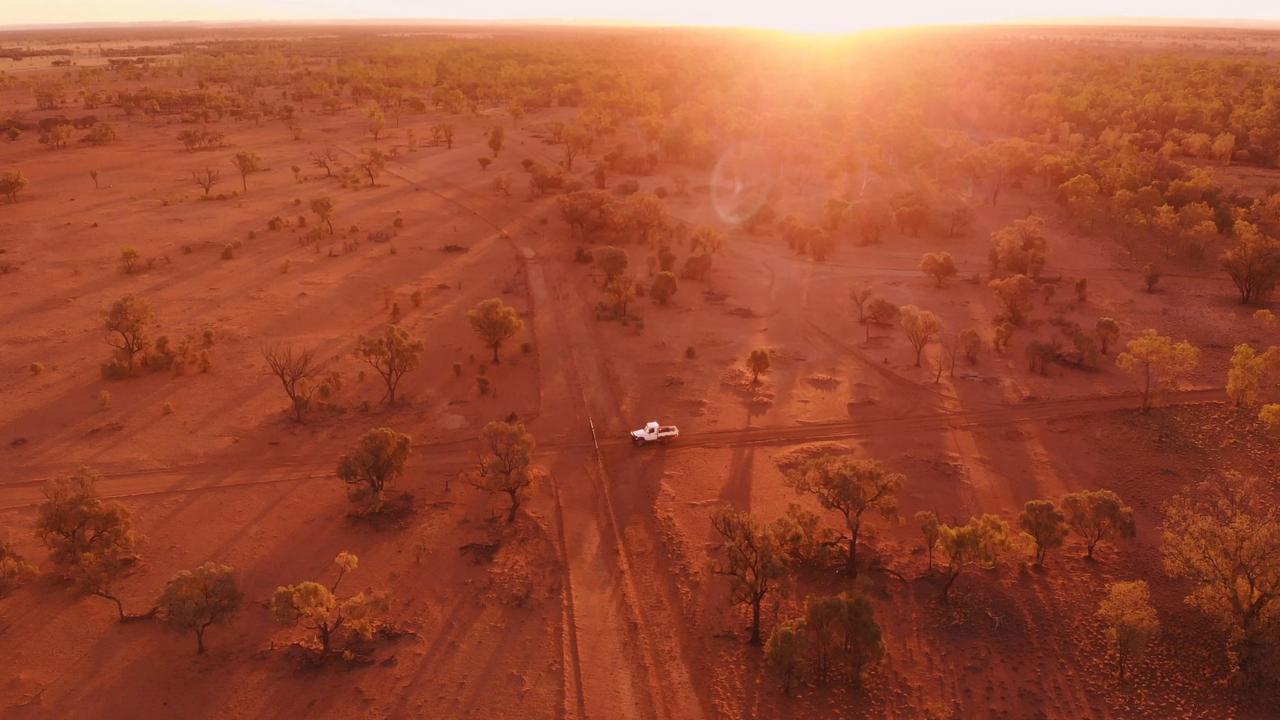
(166, 409)
(690, 352)
(104, 400)
(457, 369)
(228, 251)
(482, 384)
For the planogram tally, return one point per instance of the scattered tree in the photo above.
(1097, 515)
(612, 261)
(1247, 372)
(784, 653)
(13, 568)
(128, 324)
(1253, 264)
(1150, 276)
(505, 464)
(938, 265)
(1129, 621)
(12, 183)
(391, 354)
(1014, 292)
(246, 164)
(195, 599)
(1044, 523)
(1156, 361)
(206, 179)
(920, 326)
(129, 258)
(664, 286)
(755, 565)
(377, 459)
(373, 162)
(296, 371)
(757, 364)
(1020, 248)
(880, 312)
(1223, 535)
(1107, 330)
(979, 542)
(495, 322)
(325, 160)
(860, 294)
(316, 607)
(851, 487)
(91, 540)
(929, 526)
(323, 208)
(842, 630)
(496, 137)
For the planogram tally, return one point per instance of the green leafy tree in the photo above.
(758, 364)
(323, 207)
(495, 322)
(496, 138)
(1107, 330)
(980, 542)
(195, 599)
(377, 459)
(1129, 621)
(1044, 523)
(1156, 361)
(939, 266)
(1248, 371)
(842, 630)
(755, 563)
(13, 568)
(929, 526)
(612, 261)
(1097, 515)
(12, 183)
(784, 654)
(851, 487)
(316, 607)
(1223, 535)
(128, 323)
(391, 354)
(1253, 264)
(1014, 292)
(1020, 248)
(664, 287)
(505, 464)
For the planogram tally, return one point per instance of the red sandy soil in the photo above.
(600, 602)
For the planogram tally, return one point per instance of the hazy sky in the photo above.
(809, 15)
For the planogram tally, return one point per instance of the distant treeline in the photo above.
(20, 53)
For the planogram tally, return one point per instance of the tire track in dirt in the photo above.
(614, 649)
(442, 457)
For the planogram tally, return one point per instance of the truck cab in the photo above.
(654, 432)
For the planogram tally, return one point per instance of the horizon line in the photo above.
(1117, 21)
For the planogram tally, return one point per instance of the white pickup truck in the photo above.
(653, 432)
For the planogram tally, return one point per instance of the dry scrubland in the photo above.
(319, 347)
